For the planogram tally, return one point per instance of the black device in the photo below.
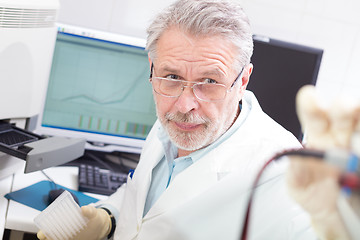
(55, 193)
(280, 70)
(98, 180)
(13, 140)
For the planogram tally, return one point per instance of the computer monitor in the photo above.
(280, 70)
(98, 90)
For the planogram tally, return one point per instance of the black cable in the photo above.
(122, 167)
(97, 159)
(124, 156)
(50, 179)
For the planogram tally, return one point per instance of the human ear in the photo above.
(246, 76)
(150, 65)
(245, 79)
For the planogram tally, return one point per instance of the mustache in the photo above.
(187, 118)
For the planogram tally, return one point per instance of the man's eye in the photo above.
(172, 76)
(209, 80)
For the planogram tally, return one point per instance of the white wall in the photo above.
(332, 25)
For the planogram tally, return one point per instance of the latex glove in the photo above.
(327, 127)
(312, 183)
(98, 227)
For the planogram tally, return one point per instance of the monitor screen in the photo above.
(280, 70)
(99, 90)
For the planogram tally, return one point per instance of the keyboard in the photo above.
(93, 179)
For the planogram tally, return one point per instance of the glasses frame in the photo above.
(185, 84)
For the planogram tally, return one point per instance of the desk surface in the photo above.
(19, 216)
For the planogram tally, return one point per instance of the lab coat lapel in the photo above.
(202, 175)
(182, 188)
(156, 153)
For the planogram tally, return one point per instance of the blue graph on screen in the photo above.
(100, 87)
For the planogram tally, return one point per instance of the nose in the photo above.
(187, 101)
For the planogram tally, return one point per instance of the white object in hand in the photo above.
(62, 219)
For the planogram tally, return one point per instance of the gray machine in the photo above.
(37, 151)
(28, 33)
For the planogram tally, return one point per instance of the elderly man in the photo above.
(210, 140)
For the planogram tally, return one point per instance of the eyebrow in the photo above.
(170, 69)
(212, 72)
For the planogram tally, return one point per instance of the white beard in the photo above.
(200, 138)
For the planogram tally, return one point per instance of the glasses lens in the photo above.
(203, 91)
(167, 87)
(210, 91)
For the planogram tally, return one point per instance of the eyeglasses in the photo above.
(208, 92)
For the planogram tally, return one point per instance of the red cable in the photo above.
(350, 180)
(295, 152)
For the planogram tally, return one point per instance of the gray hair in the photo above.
(205, 18)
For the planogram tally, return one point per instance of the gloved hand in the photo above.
(313, 183)
(98, 227)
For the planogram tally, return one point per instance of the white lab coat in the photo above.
(208, 199)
